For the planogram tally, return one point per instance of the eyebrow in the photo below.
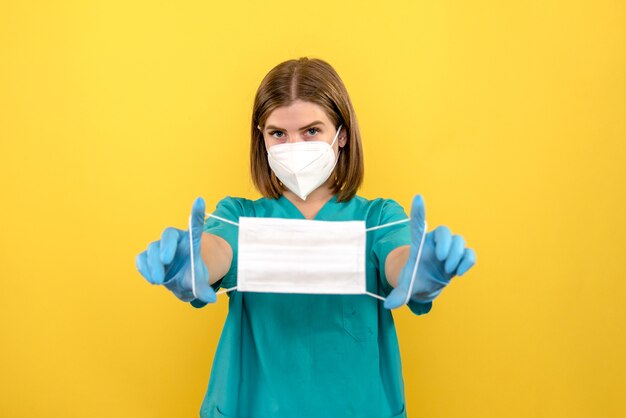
(317, 122)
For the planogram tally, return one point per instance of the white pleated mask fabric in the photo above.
(301, 256)
(278, 255)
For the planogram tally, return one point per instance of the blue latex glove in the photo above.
(167, 261)
(443, 256)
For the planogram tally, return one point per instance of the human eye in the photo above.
(313, 131)
(277, 134)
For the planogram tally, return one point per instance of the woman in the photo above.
(307, 355)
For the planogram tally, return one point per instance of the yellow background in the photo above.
(508, 117)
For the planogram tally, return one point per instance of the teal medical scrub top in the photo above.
(303, 355)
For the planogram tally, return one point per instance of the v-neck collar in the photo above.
(295, 212)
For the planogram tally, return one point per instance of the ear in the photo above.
(343, 137)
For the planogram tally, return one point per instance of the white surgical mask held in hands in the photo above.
(279, 255)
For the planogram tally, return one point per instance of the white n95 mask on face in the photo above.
(278, 255)
(303, 166)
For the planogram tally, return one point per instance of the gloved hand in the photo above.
(167, 262)
(443, 256)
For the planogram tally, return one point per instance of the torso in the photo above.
(314, 202)
(309, 355)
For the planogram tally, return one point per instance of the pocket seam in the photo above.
(362, 336)
(221, 414)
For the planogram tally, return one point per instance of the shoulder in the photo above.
(380, 208)
(241, 206)
(236, 206)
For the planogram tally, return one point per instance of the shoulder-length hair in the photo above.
(311, 80)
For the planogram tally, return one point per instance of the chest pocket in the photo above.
(359, 317)
(360, 312)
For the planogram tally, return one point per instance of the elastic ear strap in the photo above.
(374, 295)
(417, 262)
(210, 215)
(336, 135)
(226, 290)
(388, 224)
(193, 267)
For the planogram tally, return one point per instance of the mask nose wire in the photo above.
(419, 253)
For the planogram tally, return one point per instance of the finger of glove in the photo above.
(469, 259)
(443, 242)
(418, 220)
(142, 265)
(155, 267)
(203, 289)
(457, 249)
(198, 213)
(396, 298)
(169, 243)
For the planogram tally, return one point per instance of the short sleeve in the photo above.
(420, 308)
(387, 240)
(230, 209)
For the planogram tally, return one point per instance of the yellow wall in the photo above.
(508, 117)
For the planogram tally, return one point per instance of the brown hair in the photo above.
(311, 80)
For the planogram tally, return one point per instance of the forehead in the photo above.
(297, 113)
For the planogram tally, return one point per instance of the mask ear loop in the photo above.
(336, 135)
(417, 260)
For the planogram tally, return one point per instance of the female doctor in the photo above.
(307, 355)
